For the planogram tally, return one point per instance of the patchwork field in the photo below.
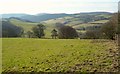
(59, 55)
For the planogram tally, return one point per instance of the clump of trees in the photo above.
(38, 30)
(30, 34)
(54, 34)
(93, 34)
(10, 30)
(67, 32)
(110, 29)
(107, 31)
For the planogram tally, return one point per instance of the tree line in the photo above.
(63, 32)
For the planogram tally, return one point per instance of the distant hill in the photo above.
(43, 17)
(80, 18)
(23, 20)
(13, 15)
(80, 21)
(46, 16)
(95, 13)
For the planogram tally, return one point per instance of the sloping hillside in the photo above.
(81, 22)
(43, 17)
(25, 25)
(81, 18)
(90, 24)
(47, 16)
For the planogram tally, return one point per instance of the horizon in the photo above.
(56, 13)
(57, 6)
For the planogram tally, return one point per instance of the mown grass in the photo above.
(58, 55)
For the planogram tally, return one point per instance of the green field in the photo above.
(59, 55)
(27, 26)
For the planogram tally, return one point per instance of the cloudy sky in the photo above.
(57, 6)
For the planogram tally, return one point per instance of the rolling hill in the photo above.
(79, 21)
(36, 18)
(47, 16)
(25, 25)
(43, 17)
(83, 20)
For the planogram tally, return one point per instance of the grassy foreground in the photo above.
(59, 55)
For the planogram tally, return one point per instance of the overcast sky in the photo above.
(57, 6)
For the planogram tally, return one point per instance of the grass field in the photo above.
(59, 55)
(27, 26)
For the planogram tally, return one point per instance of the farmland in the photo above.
(59, 55)
(50, 25)
(22, 54)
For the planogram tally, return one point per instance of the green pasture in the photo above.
(58, 55)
